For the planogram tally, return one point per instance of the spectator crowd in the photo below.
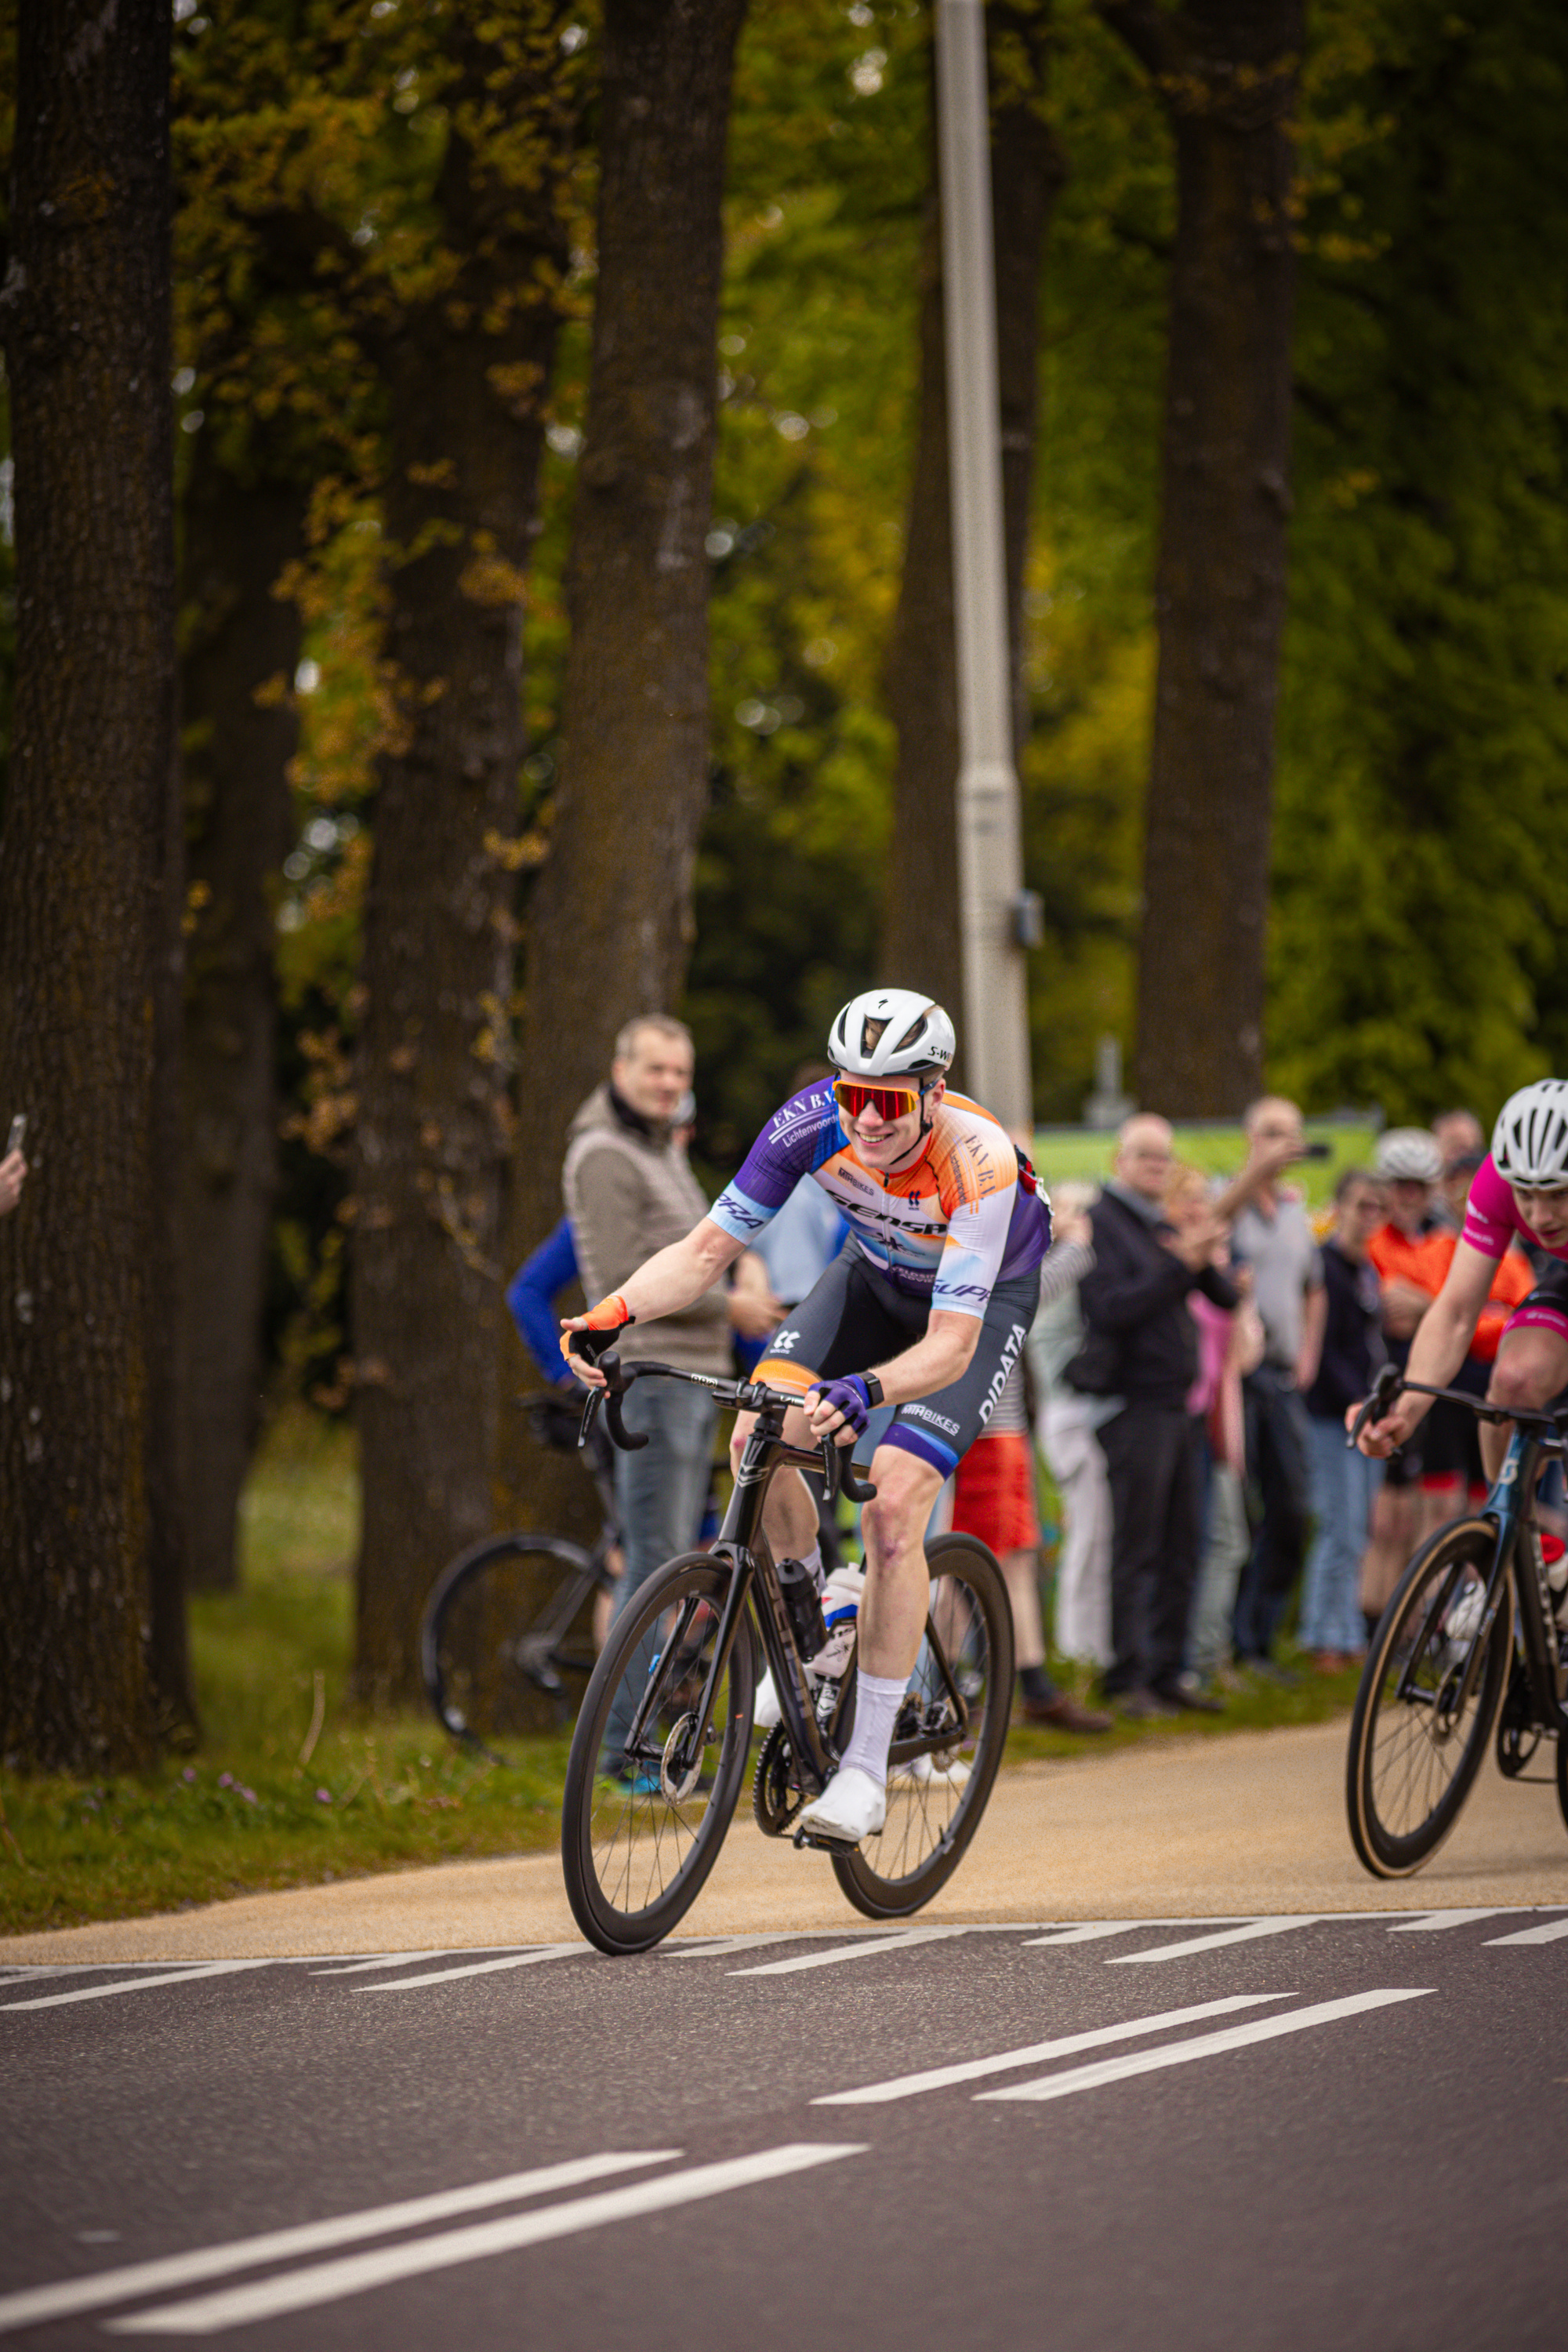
(1187, 1382)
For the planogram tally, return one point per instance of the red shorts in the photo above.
(994, 1492)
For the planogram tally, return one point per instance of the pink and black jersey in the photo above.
(946, 1230)
(1492, 1218)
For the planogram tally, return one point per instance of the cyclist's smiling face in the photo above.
(1546, 1215)
(884, 1143)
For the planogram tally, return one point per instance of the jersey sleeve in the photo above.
(977, 1178)
(786, 1150)
(1490, 1220)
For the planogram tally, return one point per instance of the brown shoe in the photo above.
(1064, 1713)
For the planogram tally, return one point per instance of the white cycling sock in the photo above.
(813, 1560)
(876, 1704)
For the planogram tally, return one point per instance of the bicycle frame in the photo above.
(743, 1541)
(1517, 1549)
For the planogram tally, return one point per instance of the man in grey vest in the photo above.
(629, 1192)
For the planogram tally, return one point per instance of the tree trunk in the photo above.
(465, 377)
(86, 884)
(1227, 72)
(921, 942)
(241, 639)
(610, 921)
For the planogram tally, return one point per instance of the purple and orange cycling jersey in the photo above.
(1492, 1218)
(946, 1230)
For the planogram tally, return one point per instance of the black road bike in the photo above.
(663, 1738)
(509, 1617)
(1468, 1639)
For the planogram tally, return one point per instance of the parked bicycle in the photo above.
(513, 1616)
(662, 1741)
(1469, 1638)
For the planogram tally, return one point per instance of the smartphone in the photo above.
(14, 1141)
(1317, 1151)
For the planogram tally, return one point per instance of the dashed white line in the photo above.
(34, 2304)
(1548, 1934)
(481, 1968)
(386, 1961)
(1094, 1931)
(722, 1947)
(353, 2273)
(1206, 2045)
(970, 2069)
(902, 1941)
(191, 1974)
(1189, 1944)
(1435, 1922)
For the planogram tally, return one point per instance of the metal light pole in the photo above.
(993, 910)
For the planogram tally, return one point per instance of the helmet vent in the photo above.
(916, 1029)
(871, 1034)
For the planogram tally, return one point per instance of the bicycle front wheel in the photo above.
(936, 1795)
(645, 1812)
(1422, 1718)
(499, 1646)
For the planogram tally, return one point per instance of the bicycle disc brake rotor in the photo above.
(678, 1780)
(775, 1799)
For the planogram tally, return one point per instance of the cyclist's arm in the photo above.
(1439, 1347)
(672, 1278)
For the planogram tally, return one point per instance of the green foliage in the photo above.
(1423, 778)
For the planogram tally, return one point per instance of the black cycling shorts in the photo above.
(855, 1319)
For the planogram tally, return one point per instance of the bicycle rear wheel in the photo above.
(935, 1798)
(641, 1826)
(496, 1641)
(1417, 1741)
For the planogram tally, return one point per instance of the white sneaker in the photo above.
(765, 1709)
(853, 1806)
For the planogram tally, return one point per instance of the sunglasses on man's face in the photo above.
(889, 1102)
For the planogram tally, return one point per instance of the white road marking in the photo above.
(190, 1974)
(1206, 2045)
(902, 1941)
(713, 1951)
(1436, 1921)
(1246, 1935)
(387, 1961)
(1548, 1934)
(36, 2304)
(481, 1968)
(1094, 1931)
(353, 2273)
(969, 2070)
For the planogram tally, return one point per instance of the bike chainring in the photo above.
(776, 1797)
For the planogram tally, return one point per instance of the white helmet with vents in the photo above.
(1408, 1155)
(892, 1033)
(1529, 1141)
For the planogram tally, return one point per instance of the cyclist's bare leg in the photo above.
(898, 1581)
(1531, 1368)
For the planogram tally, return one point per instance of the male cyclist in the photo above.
(1522, 1187)
(926, 1309)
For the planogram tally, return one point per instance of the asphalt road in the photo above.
(1346, 2131)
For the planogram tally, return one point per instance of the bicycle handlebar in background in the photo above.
(1384, 1389)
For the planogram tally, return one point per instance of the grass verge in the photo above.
(263, 1804)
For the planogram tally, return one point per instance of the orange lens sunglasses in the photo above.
(889, 1102)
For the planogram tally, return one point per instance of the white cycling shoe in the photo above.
(765, 1709)
(853, 1806)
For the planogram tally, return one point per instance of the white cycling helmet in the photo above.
(1408, 1154)
(892, 1033)
(1529, 1141)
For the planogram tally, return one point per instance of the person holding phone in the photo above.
(13, 1168)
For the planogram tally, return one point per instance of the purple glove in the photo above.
(853, 1398)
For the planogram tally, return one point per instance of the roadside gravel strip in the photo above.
(1187, 1830)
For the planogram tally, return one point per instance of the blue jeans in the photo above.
(1343, 1484)
(660, 1494)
